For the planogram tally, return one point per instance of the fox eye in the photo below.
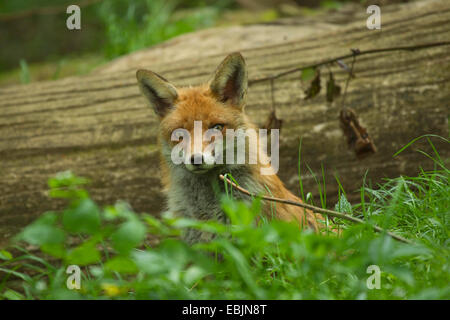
(218, 126)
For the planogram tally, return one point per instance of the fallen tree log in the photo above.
(100, 127)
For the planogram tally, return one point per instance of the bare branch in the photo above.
(328, 212)
(350, 55)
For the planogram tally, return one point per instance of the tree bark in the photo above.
(100, 127)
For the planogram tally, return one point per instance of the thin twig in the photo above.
(272, 94)
(350, 75)
(328, 212)
(350, 55)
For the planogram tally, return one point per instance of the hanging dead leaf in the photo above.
(333, 90)
(357, 136)
(314, 87)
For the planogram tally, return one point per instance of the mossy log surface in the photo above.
(100, 127)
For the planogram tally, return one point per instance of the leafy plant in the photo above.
(124, 255)
(133, 25)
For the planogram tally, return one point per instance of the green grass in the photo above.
(24, 72)
(131, 24)
(244, 261)
(123, 26)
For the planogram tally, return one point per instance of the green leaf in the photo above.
(42, 231)
(66, 185)
(5, 255)
(66, 179)
(13, 295)
(128, 236)
(84, 254)
(402, 273)
(308, 74)
(122, 265)
(343, 205)
(150, 262)
(177, 252)
(84, 217)
(238, 211)
(211, 226)
(156, 226)
(119, 210)
(241, 265)
(193, 274)
(110, 213)
(68, 194)
(56, 250)
(407, 251)
(20, 275)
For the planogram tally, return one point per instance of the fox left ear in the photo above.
(160, 93)
(229, 84)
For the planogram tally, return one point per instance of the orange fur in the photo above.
(218, 104)
(197, 103)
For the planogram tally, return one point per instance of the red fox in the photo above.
(191, 186)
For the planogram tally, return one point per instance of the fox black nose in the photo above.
(197, 159)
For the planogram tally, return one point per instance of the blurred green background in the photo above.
(36, 45)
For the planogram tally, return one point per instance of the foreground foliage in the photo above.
(272, 260)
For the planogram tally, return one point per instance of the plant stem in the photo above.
(328, 212)
(350, 55)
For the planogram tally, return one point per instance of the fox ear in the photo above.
(229, 84)
(159, 92)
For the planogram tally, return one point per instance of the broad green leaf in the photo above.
(177, 252)
(128, 236)
(54, 249)
(207, 226)
(239, 212)
(122, 265)
(308, 74)
(83, 217)
(43, 231)
(84, 254)
(150, 262)
(66, 179)
(193, 274)
(68, 194)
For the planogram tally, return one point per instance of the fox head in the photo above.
(199, 115)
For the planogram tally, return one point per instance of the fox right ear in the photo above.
(160, 93)
(229, 84)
